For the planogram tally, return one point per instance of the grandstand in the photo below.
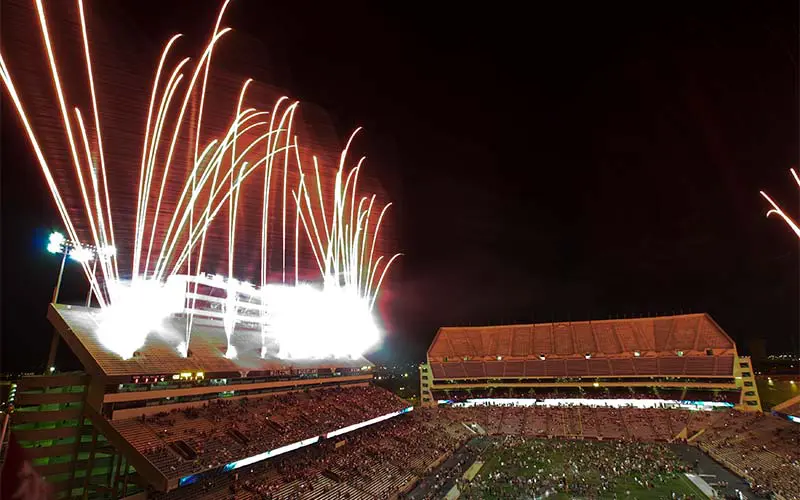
(159, 422)
(675, 358)
(632, 380)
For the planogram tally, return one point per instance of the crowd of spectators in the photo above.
(762, 448)
(190, 440)
(731, 396)
(380, 461)
(534, 468)
(376, 462)
(645, 424)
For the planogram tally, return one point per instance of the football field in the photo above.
(535, 468)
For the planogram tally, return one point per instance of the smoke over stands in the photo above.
(124, 74)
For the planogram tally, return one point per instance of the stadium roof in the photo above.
(684, 335)
(78, 327)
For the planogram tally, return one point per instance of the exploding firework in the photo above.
(178, 214)
(776, 210)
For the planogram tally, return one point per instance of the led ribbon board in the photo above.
(613, 403)
(269, 454)
(351, 428)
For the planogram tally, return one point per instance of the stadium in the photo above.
(167, 425)
(196, 383)
(159, 425)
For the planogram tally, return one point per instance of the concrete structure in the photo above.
(68, 421)
(675, 355)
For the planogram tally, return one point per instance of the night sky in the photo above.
(555, 163)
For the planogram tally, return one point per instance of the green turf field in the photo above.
(580, 469)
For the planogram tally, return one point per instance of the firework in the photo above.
(779, 212)
(166, 273)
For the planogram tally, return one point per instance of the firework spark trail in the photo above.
(213, 182)
(62, 209)
(145, 155)
(195, 187)
(101, 155)
(347, 233)
(779, 212)
(196, 232)
(71, 140)
(180, 121)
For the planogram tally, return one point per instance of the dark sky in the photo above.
(554, 163)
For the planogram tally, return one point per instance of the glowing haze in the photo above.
(166, 273)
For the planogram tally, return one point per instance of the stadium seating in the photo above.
(672, 334)
(180, 443)
(372, 463)
(690, 366)
(576, 421)
(762, 448)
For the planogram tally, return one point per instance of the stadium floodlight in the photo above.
(55, 242)
(58, 243)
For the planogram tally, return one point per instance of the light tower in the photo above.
(57, 243)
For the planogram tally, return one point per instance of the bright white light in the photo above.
(81, 254)
(613, 403)
(138, 308)
(53, 248)
(304, 321)
(57, 238)
(309, 323)
(55, 242)
(231, 352)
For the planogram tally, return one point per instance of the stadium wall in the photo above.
(687, 355)
(51, 420)
(746, 381)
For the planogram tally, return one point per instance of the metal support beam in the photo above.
(60, 274)
(51, 357)
(76, 452)
(90, 464)
(125, 482)
(115, 492)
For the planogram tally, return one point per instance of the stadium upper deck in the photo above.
(690, 345)
(153, 428)
(159, 356)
